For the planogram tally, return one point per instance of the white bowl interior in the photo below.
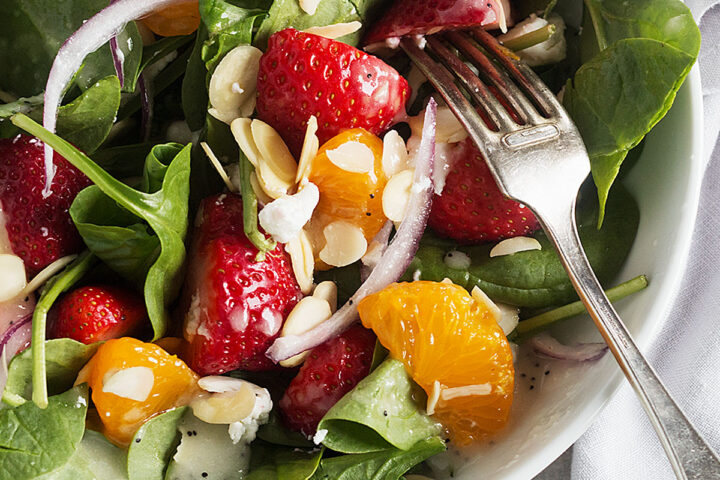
(546, 420)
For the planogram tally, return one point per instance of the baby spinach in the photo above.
(64, 358)
(276, 433)
(269, 462)
(194, 93)
(35, 441)
(379, 413)
(536, 278)
(388, 464)
(32, 31)
(153, 445)
(646, 49)
(165, 211)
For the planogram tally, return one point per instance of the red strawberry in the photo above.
(411, 17)
(235, 305)
(329, 372)
(303, 74)
(40, 229)
(471, 208)
(97, 313)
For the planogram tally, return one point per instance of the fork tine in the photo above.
(524, 75)
(444, 83)
(477, 89)
(507, 89)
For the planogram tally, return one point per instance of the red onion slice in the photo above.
(545, 345)
(93, 34)
(13, 341)
(393, 262)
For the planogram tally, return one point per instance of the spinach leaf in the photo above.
(64, 358)
(32, 31)
(94, 458)
(536, 278)
(646, 49)
(268, 462)
(165, 211)
(380, 412)
(387, 464)
(34, 440)
(194, 93)
(287, 13)
(21, 105)
(87, 120)
(275, 432)
(153, 445)
(124, 160)
(346, 278)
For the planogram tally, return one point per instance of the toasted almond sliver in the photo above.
(226, 407)
(352, 156)
(240, 128)
(509, 317)
(395, 155)
(270, 182)
(396, 195)
(344, 244)
(327, 291)
(134, 383)
(218, 166)
(311, 144)
(273, 151)
(481, 297)
(13, 273)
(233, 84)
(515, 245)
(262, 197)
(303, 262)
(307, 314)
(336, 30)
(433, 397)
(309, 6)
(447, 281)
(447, 394)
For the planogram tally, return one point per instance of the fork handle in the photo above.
(691, 458)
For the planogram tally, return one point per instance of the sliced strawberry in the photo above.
(419, 17)
(471, 208)
(329, 372)
(234, 304)
(40, 229)
(97, 313)
(303, 74)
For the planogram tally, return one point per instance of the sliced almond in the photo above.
(395, 155)
(509, 317)
(220, 384)
(344, 244)
(515, 245)
(309, 6)
(241, 130)
(13, 276)
(481, 297)
(396, 195)
(352, 156)
(226, 407)
(308, 313)
(433, 397)
(311, 144)
(218, 166)
(233, 84)
(336, 30)
(262, 197)
(447, 394)
(273, 151)
(447, 281)
(303, 261)
(134, 383)
(327, 291)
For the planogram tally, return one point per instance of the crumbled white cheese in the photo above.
(245, 430)
(284, 218)
(457, 260)
(319, 436)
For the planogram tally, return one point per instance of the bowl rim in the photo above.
(660, 309)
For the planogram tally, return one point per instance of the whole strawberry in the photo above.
(419, 17)
(302, 74)
(471, 208)
(235, 305)
(97, 313)
(40, 229)
(329, 372)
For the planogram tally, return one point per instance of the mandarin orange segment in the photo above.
(352, 196)
(452, 347)
(131, 381)
(179, 19)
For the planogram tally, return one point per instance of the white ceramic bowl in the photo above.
(548, 419)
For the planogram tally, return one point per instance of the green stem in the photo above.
(595, 15)
(531, 39)
(576, 308)
(55, 286)
(250, 210)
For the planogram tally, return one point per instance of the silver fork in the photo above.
(538, 158)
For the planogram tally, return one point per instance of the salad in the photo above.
(246, 239)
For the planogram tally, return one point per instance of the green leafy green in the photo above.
(32, 31)
(387, 464)
(153, 445)
(646, 49)
(380, 412)
(160, 49)
(87, 120)
(34, 440)
(64, 358)
(275, 432)
(123, 160)
(269, 462)
(194, 87)
(21, 105)
(165, 211)
(346, 278)
(94, 458)
(536, 278)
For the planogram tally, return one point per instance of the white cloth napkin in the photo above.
(621, 444)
